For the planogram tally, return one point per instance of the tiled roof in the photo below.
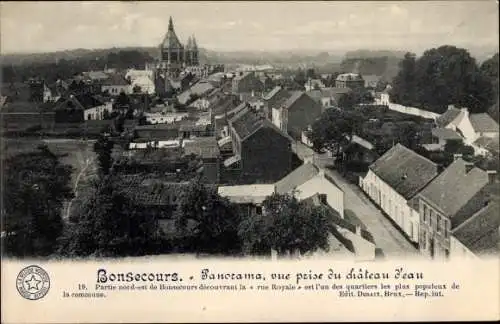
(272, 93)
(199, 89)
(157, 126)
(491, 144)
(295, 95)
(81, 101)
(116, 80)
(480, 233)
(454, 187)
(206, 147)
(446, 118)
(296, 178)
(247, 123)
(446, 134)
(146, 190)
(96, 75)
(404, 170)
(483, 123)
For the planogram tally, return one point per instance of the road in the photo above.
(392, 243)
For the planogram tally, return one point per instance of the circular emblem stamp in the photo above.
(33, 282)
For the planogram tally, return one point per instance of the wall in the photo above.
(364, 250)
(384, 100)
(97, 113)
(458, 250)
(266, 157)
(393, 204)
(432, 242)
(115, 90)
(301, 114)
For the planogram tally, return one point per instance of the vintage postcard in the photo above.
(254, 161)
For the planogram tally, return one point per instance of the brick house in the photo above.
(450, 199)
(261, 152)
(296, 113)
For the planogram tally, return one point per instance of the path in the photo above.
(75, 188)
(387, 237)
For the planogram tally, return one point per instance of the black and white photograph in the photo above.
(340, 130)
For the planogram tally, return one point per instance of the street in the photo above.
(392, 243)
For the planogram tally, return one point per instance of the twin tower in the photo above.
(174, 56)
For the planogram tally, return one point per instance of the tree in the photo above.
(137, 89)
(440, 77)
(36, 185)
(334, 130)
(216, 220)
(286, 225)
(489, 68)
(111, 224)
(103, 148)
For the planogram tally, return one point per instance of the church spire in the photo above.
(170, 24)
(193, 42)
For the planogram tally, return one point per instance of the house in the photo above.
(143, 84)
(394, 180)
(350, 80)
(446, 202)
(221, 121)
(441, 136)
(479, 235)
(371, 81)
(164, 118)
(296, 114)
(314, 84)
(470, 126)
(248, 198)
(77, 108)
(329, 97)
(207, 149)
(344, 234)
(360, 151)
(273, 97)
(261, 152)
(247, 82)
(306, 181)
(487, 146)
(191, 129)
(115, 85)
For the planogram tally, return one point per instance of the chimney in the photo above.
(492, 176)
(468, 166)
(358, 230)
(451, 107)
(465, 111)
(457, 156)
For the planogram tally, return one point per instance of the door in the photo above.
(431, 247)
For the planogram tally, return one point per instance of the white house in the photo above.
(307, 181)
(392, 182)
(164, 118)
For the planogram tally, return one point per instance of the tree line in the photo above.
(67, 68)
(444, 76)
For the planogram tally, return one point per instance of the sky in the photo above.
(228, 26)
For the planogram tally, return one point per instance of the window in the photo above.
(424, 240)
(445, 227)
(258, 210)
(425, 213)
(438, 224)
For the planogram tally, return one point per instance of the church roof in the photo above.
(171, 40)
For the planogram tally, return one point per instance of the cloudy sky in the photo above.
(333, 26)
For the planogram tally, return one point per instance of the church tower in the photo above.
(171, 51)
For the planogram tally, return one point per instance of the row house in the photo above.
(81, 107)
(260, 151)
(247, 83)
(295, 114)
(394, 180)
(459, 192)
(276, 95)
